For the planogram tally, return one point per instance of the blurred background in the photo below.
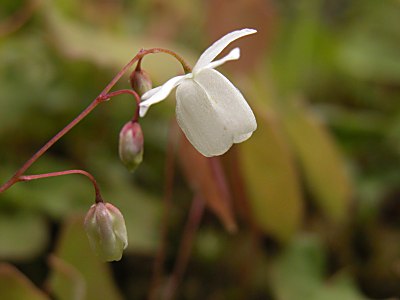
(308, 208)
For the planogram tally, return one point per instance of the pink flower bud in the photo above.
(131, 145)
(106, 230)
(140, 81)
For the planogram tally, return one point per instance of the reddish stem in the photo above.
(186, 67)
(139, 65)
(68, 172)
(51, 142)
(104, 96)
(131, 92)
(185, 248)
(167, 206)
(19, 18)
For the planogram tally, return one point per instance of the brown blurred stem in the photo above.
(67, 172)
(19, 18)
(104, 96)
(167, 206)
(184, 64)
(185, 248)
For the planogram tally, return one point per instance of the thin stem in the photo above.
(117, 77)
(167, 206)
(104, 96)
(19, 18)
(51, 142)
(62, 173)
(185, 65)
(185, 248)
(131, 92)
(139, 65)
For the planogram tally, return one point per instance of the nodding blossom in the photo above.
(106, 230)
(210, 110)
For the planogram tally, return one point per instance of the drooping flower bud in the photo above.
(106, 230)
(140, 81)
(131, 145)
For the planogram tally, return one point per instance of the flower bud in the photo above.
(131, 145)
(140, 81)
(105, 228)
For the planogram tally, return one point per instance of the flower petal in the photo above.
(233, 55)
(242, 137)
(230, 103)
(150, 93)
(212, 113)
(160, 93)
(216, 48)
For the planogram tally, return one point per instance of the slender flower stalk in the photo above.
(102, 97)
(62, 173)
(185, 247)
(140, 79)
(131, 92)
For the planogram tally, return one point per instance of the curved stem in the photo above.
(51, 142)
(67, 172)
(131, 92)
(104, 96)
(185, 65)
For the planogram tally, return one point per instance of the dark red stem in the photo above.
(184, 64)
(67, 172)
(169, 171)
(185, 248)
(104, 96)
(131, 92)
(51, 142)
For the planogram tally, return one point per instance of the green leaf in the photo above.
(66, 282)
(370, 46)
(273, 187)
(74, 251)
(23, 235)
(269, 170)
(77, 41)
(298, 274)
(15, 286)
(321, 161)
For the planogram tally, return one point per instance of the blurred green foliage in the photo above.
(315, 191)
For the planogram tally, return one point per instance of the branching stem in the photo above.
(67, 172)
(104, 96)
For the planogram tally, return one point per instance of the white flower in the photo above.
(210, 110)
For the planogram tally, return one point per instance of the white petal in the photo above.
(216, 48)
(150, 93)
(159, 93)
(212, 113)
(233, 55)
(242, 137)
(230, 103)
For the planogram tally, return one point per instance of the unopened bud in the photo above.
(131, 145)
(140, 81)
(106, 230)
